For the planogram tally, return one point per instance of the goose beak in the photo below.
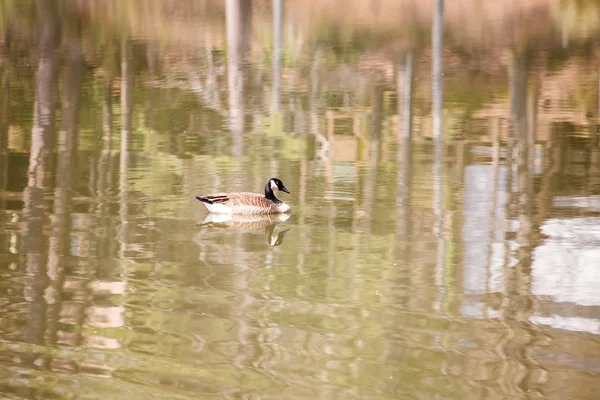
(284, 189)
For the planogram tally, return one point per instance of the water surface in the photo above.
(432, 252)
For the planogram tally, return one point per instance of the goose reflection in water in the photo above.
(249, 222)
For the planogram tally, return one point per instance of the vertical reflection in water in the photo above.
(404, 214)
(376, 113)
(322, 144)
(35, 248)
(106, 168)
(505, 311)
(240, 308)
(126, 110)
(438, 197)
(528, 233)
(212, 88)
(107, 112)
(104, 159)
(5, 88)
(526, 141)
(438, 93)
(518, 134)
(593, 176)
(67, 144)
(516, 304)
(277, 47)
(404, 85)
(314, 86)
(552, 165)
(495, 199)
(535, 371)
(104, 173)
(371, 180)
(437, 66)
(305, 238)
(40, 174)
(404, 157)
(239, 30)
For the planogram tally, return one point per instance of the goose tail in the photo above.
(204, 200)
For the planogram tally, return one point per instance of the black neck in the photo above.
(270, 195)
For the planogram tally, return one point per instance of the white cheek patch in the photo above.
(274, 186)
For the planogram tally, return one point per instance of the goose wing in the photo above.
(237, 199)
(240, 203)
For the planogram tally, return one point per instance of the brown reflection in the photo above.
(517, 305)
(40, 176)
(65, 168)
(5, 88)
(522, 136)
(43, 137)
(528, 234)
(370, 187)
(106, 161)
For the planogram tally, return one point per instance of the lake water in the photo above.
(444, 169)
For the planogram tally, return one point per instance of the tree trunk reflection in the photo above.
(63, 193)
(5, 88)
(277, 48)
(239, 29)
(126, 115)
(437, 66)
(40, 175)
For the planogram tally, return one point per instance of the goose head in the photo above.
(272, 185)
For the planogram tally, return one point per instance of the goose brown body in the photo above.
(248, 203)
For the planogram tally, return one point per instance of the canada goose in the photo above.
(248, 203)
(248, 222)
